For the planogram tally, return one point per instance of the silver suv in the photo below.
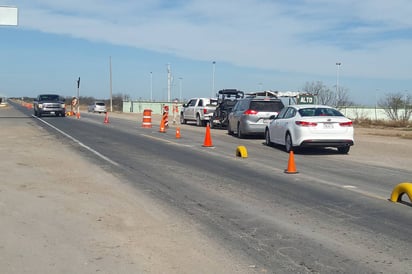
(250, 115)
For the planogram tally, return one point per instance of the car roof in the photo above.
(310, 106)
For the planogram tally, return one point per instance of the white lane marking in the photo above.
(349, 186)
(78, 142)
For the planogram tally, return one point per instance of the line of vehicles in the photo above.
(298, 124)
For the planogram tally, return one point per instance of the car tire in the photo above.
(344, 150)
(182, 119)
(229, 131)
(267, 138)
(239, 132)
(288, 142)
(198, 121)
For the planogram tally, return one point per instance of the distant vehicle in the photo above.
(226, 99)
(310, 126)
(97, 106)
(251, 114)
(50, 104)
(199, 110)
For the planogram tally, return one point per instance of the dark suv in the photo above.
(251, 114)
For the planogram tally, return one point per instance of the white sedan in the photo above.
(310, 126)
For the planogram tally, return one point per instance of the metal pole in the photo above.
(169, 79)
(180, 89)
(78, 95)
(213, 78)
(111, 98)
(151, 87)
(337, 82)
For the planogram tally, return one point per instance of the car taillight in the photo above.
(306, 124)
(204, 111)
(346, 124)
(250, 112)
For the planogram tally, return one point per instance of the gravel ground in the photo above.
(65, 215)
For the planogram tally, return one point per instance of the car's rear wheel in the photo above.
(239, 132)
(267, 138)
(198, 121)
(288, 142)
(344, 150)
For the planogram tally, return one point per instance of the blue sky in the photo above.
(256, 44)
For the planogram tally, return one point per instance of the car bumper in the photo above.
(326, 143)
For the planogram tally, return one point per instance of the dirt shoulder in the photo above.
(65, 215)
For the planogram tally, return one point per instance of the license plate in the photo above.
(52, 112)
(327, 125)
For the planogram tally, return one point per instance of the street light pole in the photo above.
(180, 89)
(338, 64)
(169, 82)
(151, 87)
(213, 78)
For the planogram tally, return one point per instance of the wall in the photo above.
(351, 112)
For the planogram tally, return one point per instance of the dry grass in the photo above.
(401, 129)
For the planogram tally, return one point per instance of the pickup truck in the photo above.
(51, 104)
(199, 110)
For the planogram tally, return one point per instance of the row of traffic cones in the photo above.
(291, 168)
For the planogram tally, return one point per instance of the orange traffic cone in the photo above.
(178, 133)
(162, 126)
(208, 138)
(78, 114)
(291, 164)
(106, 118)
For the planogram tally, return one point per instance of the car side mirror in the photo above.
(274, 116)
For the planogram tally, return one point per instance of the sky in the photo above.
(125, 47)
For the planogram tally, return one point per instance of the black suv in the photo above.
(251, 114)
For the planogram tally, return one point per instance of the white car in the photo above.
(97, 107)
(310, 126)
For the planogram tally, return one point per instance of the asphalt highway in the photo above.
(332, 217)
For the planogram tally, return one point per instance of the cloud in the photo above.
(372, 38)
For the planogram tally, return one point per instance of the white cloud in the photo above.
(297, 36)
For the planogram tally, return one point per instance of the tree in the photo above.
(397, 106)
(325, 96)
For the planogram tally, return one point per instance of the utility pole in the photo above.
(111, 99)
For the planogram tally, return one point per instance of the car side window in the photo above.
(282, 113)
(200, 103)
(192, 103)
(290, 112)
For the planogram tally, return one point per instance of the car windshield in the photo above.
(49, 97)
(266, 106)
(100, 104)
(305, 112)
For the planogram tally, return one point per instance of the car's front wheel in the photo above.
(288, 142)
(182, 119)
(267, 138)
